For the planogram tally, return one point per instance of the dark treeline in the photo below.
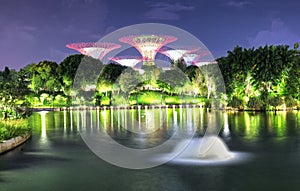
(264, 78)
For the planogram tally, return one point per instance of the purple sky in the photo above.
(36, 30)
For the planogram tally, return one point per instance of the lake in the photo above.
(57, 158)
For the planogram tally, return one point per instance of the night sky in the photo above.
(36, 30)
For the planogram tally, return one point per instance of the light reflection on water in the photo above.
(57, 159)
(255, 125)
(149, 125)
(160, 123)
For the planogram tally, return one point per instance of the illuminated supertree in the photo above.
(148, 45)
(202, 63)
(127, 61)
(96, 50)
(197, 58)
(176, 54)
(203, 58)
(189, 58)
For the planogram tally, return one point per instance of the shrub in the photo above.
(254, 102)
(236, 102)
(275, 101)
(290, 102)
(13, 128)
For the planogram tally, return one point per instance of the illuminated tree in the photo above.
(45, 78)
(108, 77)
(14, 91)
(67, 70)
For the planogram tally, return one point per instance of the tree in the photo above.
(67, 70)
(175, 78)
(45, 78)
(190, 71)
(108, 76)
(198, 81)
(13, 91)
(275, 101)
(180, 64)
(264, 72)
(128, 81)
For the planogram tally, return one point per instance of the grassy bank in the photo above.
(152, 98)
(13, 128)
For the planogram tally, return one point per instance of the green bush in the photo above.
(60, 101)
(173, 100)
(290, 101)
(149, 98)
(13, 128)
(254, 102)
(236, 102)
(118, 100)
(105, 101)
(275, 101)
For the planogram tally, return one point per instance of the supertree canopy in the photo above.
(202, 63)
(176, 54)
(148, 45)
(189, 58)
(198, 58)
(203, 58)
(96, 50)
(126, 61)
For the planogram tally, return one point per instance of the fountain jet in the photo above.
(210, 148)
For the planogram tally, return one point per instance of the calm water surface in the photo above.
(56, 158)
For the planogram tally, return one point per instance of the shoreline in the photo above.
(13, 143)
(79, 108)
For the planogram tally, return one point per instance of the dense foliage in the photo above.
(262, 78)
(265, 78)
(13, 128)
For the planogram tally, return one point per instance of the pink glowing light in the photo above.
(96, 50)
(148, 45)
(127, 61)
(189, 58)
(203, 63)
(197, 58)
(202, 59)
(177, 54)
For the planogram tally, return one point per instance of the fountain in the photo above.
(210, 148)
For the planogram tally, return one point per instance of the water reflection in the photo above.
(226, 131)
(154, 125)
(255, 125)
(43, 125)
(65, 121)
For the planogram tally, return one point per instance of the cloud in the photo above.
(166, 11)
(237, 4)
(278, 34)
(18, 32)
